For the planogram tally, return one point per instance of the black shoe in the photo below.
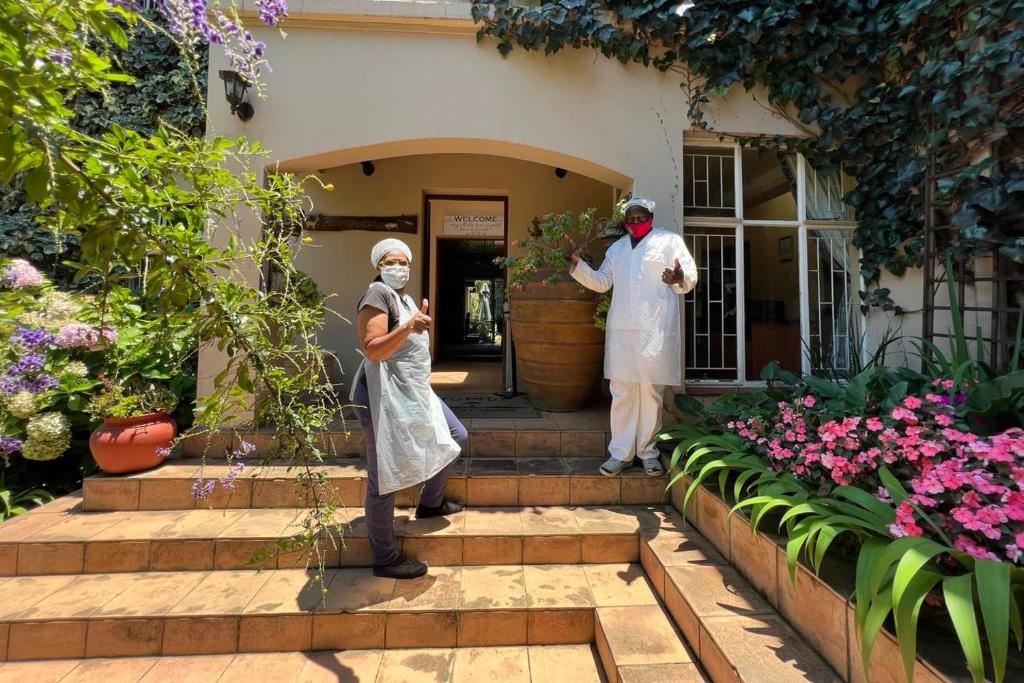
(448, 507)
(402, 568)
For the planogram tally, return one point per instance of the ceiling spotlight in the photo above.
(683, 8)
(560, 172)
(368, 168)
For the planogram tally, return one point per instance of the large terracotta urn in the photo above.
(132, 444)
(559, 350)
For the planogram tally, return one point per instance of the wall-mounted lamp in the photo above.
(234, 90)
(368, 168)
(560, 172)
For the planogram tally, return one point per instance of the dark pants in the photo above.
(380, 510)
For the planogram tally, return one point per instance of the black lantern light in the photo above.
(368, 168)
(234, 90)
(560, 172)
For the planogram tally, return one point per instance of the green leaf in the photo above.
(906, 611)
(958, 591)
(37, 184)
(994, 597)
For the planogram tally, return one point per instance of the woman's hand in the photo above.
(420, 321)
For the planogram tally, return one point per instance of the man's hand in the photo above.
(572, 254)
(420, 321)
(673, 276)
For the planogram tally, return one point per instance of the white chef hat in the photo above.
(381, 249)
(642, 202)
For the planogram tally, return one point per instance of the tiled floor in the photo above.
(535, 664)
(468, 377)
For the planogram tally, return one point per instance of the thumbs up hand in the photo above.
(420, 321)
(572, 255)
(673, 276)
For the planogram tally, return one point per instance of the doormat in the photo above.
(471, 406)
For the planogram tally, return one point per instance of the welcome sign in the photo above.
(475, 225)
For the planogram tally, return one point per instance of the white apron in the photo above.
(642, 339)
(412, 435)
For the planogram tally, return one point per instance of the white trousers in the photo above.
(636, 416)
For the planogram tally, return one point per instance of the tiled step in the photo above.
(735, 633)
(532, 664)
(225, 612)
(58, 540)
(567, 435)
(480, 482)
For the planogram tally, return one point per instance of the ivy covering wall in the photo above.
(875, 85)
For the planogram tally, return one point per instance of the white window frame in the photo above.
(739, 225)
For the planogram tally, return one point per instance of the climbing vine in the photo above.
(168, 86)
(876, 86)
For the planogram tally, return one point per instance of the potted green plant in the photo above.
(137, 431)
(556, 323)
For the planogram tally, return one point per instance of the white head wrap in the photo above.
(381, 249)
(642, 202)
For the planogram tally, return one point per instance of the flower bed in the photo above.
(922, 477)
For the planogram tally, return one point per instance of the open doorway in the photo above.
(467, 235)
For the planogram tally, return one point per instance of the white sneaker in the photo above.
(652, 466)
(614, 466)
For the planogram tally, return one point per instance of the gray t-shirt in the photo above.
(384, 299)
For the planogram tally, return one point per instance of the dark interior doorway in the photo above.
(471, 293)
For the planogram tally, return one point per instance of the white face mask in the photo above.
(395, 277)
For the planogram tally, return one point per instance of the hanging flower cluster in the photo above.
(195, 21)
(965, 489)
(203, 488)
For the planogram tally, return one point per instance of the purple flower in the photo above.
(9, 445)
(60, 57)
(163, 452)
(28, 365)
(271, 11)
(245, 448)
(20, 273)
(30, 339)
(202, 489)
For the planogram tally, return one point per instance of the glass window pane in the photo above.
(769, 186)
(710, 309)
(825, 191)
(708, 182)
(830, 275)
(772, 299)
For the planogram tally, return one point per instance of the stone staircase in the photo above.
(552, 574)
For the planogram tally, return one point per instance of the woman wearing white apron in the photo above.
(412, 437)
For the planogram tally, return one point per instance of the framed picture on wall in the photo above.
(785, 249)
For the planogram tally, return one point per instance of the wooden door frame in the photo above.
(428, 244)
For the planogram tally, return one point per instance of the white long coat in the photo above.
(642, 339)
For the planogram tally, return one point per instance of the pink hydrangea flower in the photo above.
(20, 273)
(82, 336)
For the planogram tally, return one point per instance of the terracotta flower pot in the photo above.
(131, 444)
(559, 350)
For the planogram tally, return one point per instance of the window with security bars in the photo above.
(776, 266)
(710, 308)
(830, 291)
(709, 185)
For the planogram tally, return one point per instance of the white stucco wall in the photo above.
(359, 80)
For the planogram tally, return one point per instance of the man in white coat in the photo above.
(647, 270)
